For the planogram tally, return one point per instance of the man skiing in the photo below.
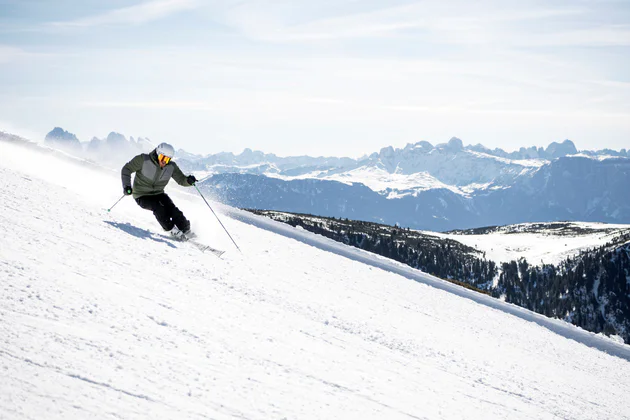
(153, 172)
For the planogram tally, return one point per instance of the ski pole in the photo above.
(110, 209)
(215, 215)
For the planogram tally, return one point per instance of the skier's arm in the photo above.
(134, 165)
(179, 176)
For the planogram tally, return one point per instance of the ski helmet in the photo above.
(165, 149)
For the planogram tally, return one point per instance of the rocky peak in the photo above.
(115, 139)
(387, 152)
(556, 150)
(455, 144)
(59, 135)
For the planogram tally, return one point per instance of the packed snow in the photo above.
(103, 316)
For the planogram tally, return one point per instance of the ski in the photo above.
(205, 248)
(177, 237)
(180, 237)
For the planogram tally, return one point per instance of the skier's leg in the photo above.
(176, 214)
(160, 211)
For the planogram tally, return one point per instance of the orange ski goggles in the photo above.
(163, 159)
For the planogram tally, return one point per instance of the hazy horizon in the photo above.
(280, 154)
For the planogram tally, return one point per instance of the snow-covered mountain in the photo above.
(443, 187)
(574, 188)
(101, 316)
(393, 172)
(414, 168)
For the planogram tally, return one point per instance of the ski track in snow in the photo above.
(100, 316)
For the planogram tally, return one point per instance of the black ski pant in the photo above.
(164, 211)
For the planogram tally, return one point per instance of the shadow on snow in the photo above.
(138, 232)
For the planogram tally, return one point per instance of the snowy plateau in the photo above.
(103, 317)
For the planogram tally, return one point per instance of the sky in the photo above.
(297, 326)
(332, 78)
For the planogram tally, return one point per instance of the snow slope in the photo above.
(101, 316)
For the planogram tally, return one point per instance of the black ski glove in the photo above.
(127, 190)
(191, 179)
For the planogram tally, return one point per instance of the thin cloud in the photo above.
(429, 16)
(132, 15)
(185, 105)
(9, 53)
(434, 21)
(603, 36)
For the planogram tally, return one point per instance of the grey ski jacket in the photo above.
(150, 178)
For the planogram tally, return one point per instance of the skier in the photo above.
(153, 172)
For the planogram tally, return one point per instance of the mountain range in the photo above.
(422, 186)
(114, 149)
(437, 188)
